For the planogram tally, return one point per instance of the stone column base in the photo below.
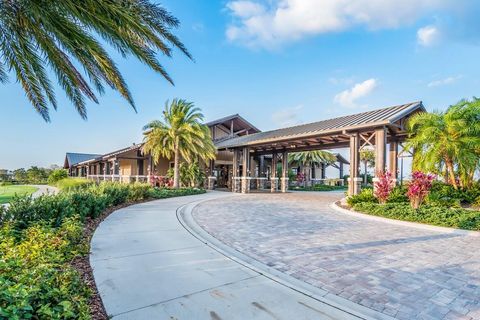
(354, 186)
(284, 186)
(245, 184)
(273, 184)
(211, 182)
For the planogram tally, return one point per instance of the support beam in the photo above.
(273, 173)
(354, 180)
(235, 171)
(380, 150)
(246, 170)
(285, 172)
(393, 159)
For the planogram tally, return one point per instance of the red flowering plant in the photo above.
(383, 186)
(300, 178)
(419, 188)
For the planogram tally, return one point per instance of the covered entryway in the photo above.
(382, 129)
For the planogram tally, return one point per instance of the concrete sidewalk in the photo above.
(147, 266)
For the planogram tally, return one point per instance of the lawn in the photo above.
(8, 192)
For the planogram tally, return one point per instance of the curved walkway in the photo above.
(148, 266)
(400, 271)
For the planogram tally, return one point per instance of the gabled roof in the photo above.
(379, 117)
(112, 154)
(72, 158)
(239, 123)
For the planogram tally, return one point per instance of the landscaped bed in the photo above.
(443, 206)
(318, 187)
(8, 192)
(44, 245)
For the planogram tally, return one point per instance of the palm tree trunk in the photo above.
(451, 173)
(176, 168)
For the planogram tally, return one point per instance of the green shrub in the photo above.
(440, 216)
(56, 175)
(398, 194)
(365, 196)
(73, 183)
(464, 196)
(36, 280)
(318, 187)
(6, 183)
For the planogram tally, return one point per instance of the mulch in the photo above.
(82, 263)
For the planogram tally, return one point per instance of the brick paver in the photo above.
(404, 272)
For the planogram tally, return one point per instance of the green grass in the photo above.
(8, 192)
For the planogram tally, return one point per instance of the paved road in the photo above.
(147, 266)
(404, 272)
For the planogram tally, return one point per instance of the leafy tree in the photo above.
(447, 142)
(180, 134)
(56, 175)
(367, 156)
(62, 35)
(20, 175)
(37, 175)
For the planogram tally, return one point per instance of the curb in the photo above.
(184, 216)
(402, 223)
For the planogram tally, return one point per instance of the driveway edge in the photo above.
(185, 217)
(410, 224)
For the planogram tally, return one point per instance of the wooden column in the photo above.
(393, 159)
(380, 150)
(245, 170)
(285, 172)
(235, 171)
(354, 180)
(273, 173)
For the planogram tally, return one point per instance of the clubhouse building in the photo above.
(249, 159)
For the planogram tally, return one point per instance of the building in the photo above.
(130, 164)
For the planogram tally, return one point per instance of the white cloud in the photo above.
(348, 98)
(287, 117)
(269, 23)
(428, 36)
(443, 82)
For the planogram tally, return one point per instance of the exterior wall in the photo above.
(162, 166)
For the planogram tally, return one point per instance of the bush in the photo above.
(399, 194)
(365, 196)
(36, 280)
(464, 196)
(419, 188)
(73, 183)
(56, 175)
(40, 237)
(384, 186)
(440, 216)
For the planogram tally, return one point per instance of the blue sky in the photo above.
(277, 63)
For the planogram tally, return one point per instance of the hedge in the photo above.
(40, 237)
(439, 216)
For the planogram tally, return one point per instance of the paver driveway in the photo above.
(405, 272)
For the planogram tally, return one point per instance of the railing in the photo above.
(118, 178)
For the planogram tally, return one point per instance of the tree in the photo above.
(367, 156)
(20, 175)
(447, 142)
(62, 35)
(311, 158)
(180, 135)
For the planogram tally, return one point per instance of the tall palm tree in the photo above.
(311, 158)
(36, 35)
(447, 141)
(180, 135)
(367, 156)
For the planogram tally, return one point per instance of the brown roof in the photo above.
(379, 117)
(239, 123)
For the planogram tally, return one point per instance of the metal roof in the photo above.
(241, 122)
(379, 117)
(72, 158)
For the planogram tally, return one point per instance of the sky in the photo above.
(275, 62)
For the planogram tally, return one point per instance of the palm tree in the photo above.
(447, 141)
(367, 156)
(61, 35)
(311, 158)
(180, 135)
